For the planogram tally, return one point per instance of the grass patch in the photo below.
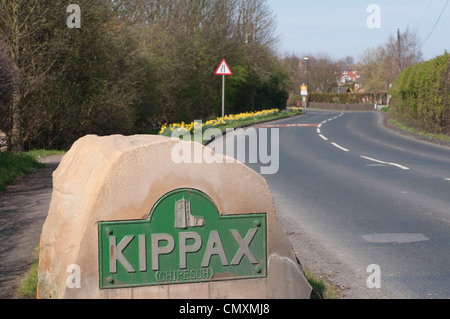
(321, 289)
(28, 286)
(443, 137)
(240, 120)
(36, 154)
(251, 121)
(13, 166)
(16, 165)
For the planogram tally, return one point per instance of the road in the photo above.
(23, 210)
(351, 193)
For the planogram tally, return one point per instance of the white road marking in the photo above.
(447, 179)
(340, 147)
(365, 157)
(382, 162)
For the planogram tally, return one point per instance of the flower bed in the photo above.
(168, 129)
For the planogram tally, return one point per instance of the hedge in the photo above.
(342, 98)
(421, 95)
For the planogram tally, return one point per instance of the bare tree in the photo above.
(408, 46)
(20, 21)
(378, 70)
(381, 66)
(322, 73)
(5, 89)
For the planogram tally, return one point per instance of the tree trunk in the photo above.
(16, 138)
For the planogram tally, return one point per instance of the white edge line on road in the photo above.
(447, 179)
(318, 131)
(340, 147)
(323, 137)
(382, 162)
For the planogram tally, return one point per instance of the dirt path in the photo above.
(23, 209)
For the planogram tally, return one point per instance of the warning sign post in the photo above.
(223, 70)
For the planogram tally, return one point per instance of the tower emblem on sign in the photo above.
(183, 217)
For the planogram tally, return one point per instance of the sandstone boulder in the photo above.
(118, 178)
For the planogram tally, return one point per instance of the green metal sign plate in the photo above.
(185, 240)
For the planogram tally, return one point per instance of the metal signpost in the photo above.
(223, 70)
(304, 93)
(304, 90)
(185, 240)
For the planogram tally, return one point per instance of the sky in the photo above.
(340, 28)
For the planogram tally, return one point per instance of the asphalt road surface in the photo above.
(366, 208)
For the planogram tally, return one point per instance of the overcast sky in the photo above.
(339, 28)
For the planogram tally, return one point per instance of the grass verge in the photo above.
(13, 166)
(36, 154)
(28, 286)
(246, 120)
(321, 289)
(251, 121)
(396, 123)
(399, 125)
(16, 165)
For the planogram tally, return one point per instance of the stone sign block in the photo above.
(126, 221)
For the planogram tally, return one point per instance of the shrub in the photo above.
(341, 98)
(421, 95)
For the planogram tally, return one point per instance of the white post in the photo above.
(223, 97)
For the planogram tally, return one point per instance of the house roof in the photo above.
(341, 89)
(348, 67)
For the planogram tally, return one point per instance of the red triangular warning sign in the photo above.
(223, 69)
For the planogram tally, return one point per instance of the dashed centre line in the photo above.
(340, 147)
(324, 137)
(347, 150)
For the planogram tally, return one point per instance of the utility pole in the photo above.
(399, 52)
(307, 78)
